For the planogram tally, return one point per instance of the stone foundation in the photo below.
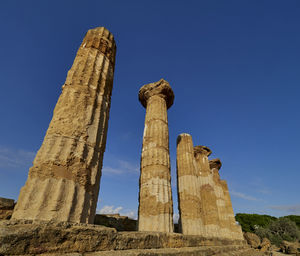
(120, 223)
(26, 237)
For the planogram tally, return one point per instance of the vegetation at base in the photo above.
(250, 222)
(275, 229)
(295, 218)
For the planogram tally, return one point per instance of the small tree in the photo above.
(285, 228)
(279, 230)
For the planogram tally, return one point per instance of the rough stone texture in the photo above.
(189, 201)
(203, 199)
(225, 227)
(6, 208)
(6, 204)
(37, 237)
(63, 183)
(120, 223)
(207, 192)
(265, 245)
(289, 247)
(155, 197)
(236, 229)
(252, 239)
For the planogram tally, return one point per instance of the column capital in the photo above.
(202, 150)
(161, 88)
(215, 164)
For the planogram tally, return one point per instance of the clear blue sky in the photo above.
(233, 65)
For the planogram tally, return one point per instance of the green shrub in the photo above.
(285, 228)
(276, 230)
(294, 218)
(250, 222)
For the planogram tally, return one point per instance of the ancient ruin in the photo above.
(63, 184)
(155, 198)
(189, 201)
(203, 199)
(236, 230)
(58, 202)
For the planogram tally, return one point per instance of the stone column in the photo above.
(155, 197)
(63, 184)
(215, 166)
(236, 231)
(207, 192)
(189, 201)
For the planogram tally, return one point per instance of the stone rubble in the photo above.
(6, 208)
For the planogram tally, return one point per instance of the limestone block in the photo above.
(207, 192)
(252, 239)
(6, 204)
(51, 238)
(225, 230)
(236, 231)
(189, 201)
(265, 244)
(155, 197)
(120, 223)
(63, 183)
(6, 208)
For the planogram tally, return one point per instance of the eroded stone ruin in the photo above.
(204, 202)
(155, 198)
(63, 183)
(58, 202)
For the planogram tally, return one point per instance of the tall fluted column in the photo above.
(155, 197)
(236, 231)
(207, 192)
(63, 184)
(189, 201)
(215, 166)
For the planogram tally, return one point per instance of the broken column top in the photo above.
(215, 164)
(202, 150)
(161, 88)
(101, 39)
(180, 136)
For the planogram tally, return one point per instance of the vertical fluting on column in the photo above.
(189, 201)
(225, 231)
(207, 192)
(236, 231)
(155, 196)
(63, 183)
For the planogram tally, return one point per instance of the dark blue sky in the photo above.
(233, 65)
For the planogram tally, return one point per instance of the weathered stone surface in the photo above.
(5, 214)
(161, 88)
(252, 239)
(236, 229)
(120, 223)
(265, 245)
(63, 184)
(155, 197)
(227, 250)
(225, 227)
(186, 251)
(189, 200)
(37, 237)
(207, 192)
(6, 208)
(291, 249)
(6, 204)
